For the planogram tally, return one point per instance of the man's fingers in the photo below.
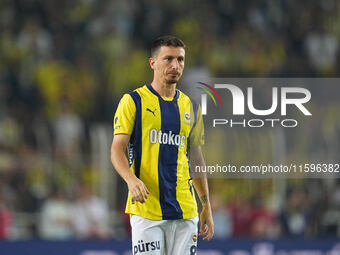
(207, 236)
(209, 233)
(142, 189)
(140, 198)
(136, 196)
(139, 192)
(145, 192)
(203, 230)
(142, 193)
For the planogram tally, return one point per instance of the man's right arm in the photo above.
(137, 188)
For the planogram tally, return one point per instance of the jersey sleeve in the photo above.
(124, 119)
(197, 134)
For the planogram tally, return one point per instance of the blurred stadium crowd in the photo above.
(65, 64)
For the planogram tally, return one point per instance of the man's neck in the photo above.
(163, 89)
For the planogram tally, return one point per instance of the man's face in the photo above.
(168, 64)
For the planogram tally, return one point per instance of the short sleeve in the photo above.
(124, 119)
(197, 134)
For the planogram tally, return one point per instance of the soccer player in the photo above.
(161, 129)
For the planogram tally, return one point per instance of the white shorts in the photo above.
(163, 237)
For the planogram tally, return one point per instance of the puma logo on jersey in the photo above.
(153, 112)
(167, 138)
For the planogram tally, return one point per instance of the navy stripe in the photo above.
(167, 161)
(190, 187)
(136, 137)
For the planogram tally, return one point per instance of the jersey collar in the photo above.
(155, 92)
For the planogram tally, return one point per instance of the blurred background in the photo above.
(64, 65)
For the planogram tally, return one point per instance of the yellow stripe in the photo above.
(185, 198)
(149, 165)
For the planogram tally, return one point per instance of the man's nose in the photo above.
(175, 64)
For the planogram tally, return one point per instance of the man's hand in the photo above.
(206, 223)
(201, 186)
(138, 190)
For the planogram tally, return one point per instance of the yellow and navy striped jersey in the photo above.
(162, 131)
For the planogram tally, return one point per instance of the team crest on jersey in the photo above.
(194, 238)
(187, 116)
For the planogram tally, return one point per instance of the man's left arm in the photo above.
(201, 186)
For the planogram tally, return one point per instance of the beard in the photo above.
(173, 79)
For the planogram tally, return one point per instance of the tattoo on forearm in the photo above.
(204, 199)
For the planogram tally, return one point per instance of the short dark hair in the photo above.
(166, 40)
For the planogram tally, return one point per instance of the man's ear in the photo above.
(152, 63)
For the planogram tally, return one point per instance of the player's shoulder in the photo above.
(183, 96)
(188, 99)
(140, 91)
(133, 95)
